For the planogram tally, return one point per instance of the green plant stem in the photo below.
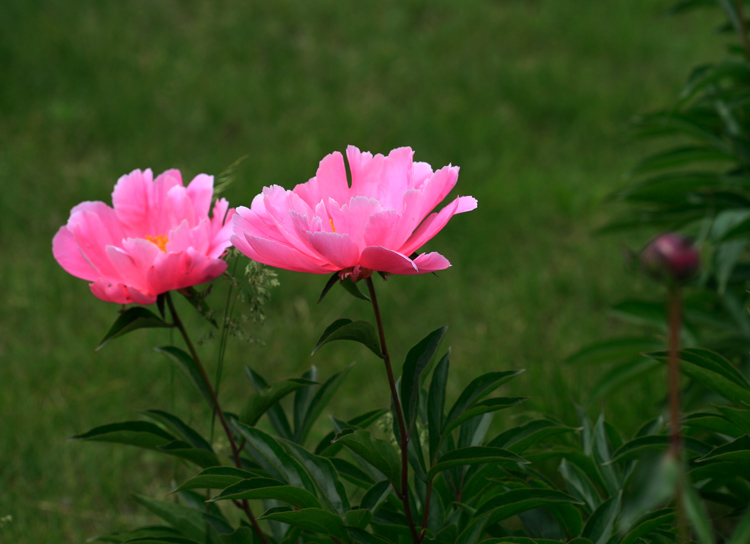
(674, 304)
(216, 408)
(403, 434)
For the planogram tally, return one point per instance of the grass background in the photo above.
(530, 98)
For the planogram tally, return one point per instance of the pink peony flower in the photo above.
(324, 225)
(157, 238)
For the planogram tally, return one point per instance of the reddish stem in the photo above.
(403, 433)
(674, 304)
(217, 410)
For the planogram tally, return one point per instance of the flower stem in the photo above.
(217, 409)
(674, 304)
(403, 433)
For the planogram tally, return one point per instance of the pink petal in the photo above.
(431, 262)
(437, 188)
(279, 255)
(179, 270)
(201, 191)
(435, 223)
(71, 258)
(132, 201)
(386, 260)
(366, 172)
(95, 227)
(331, 178)
(119, 293)
(337, 249)
(397, 177)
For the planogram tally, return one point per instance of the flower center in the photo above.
(160, 240)
(331, 222)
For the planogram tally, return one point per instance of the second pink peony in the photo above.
(376, 224)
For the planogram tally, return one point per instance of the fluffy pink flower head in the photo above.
(325, 225)
(158, 237)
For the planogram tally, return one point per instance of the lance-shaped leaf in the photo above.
(311, 519)
(436, 403)
(258, 403)
(634, 448)
(599, 527)
(180, 427)
(416, 361)
(315, 407)
(202, 458)
(191, 369)
(376, 495)
(358, 517)
(269, 489)
(325, 476)
(188, 521)
(513, 502)
(712, 371)
(270, 454)
(518, 439)
(216, 478)
(611, 351)
(363, 537)
(478, 388)
(134, 433)
(739, 416)
(152, 534)
(579, 485)
(276, 414)
(352, 473)
(379, 453)
(362, 421)
(474, 455)
(130, 320)
(736, 451)
(484, 407)
(346, 329)
(647, 524)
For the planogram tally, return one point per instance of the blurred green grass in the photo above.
(530, 98)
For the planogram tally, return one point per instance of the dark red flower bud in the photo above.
(671, 257)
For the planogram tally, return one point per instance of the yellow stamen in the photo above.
(160, 240)
(331, 222)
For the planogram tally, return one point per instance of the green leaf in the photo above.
(352, 473)
(325, 476)
(513, 502)
(134, 433)
(258, 403)
(362, 421)
(311, 519)
(329, 284)
(648, 524)
(738, 416)
(202, 458)
(741, 533)
(197, 300)
(474, 455)
(484, 407)
(186, 363)
(322, 397)
(579, 485)
(276, 414)
(679, 156)
(188, 521)
(614, 350)
(353, 289)
(359, 518)
(180, 427)
(375, 451)
(668, 188)
(269, 489)
(737, 451)
(346, 329)
(697, 514)
(270, 454)
(363, 537)
(216, 478)
(436, 403)
(376, 495)
(154, 531)
(518, 439)
(478, 388)
(712, 422)
(636, 447)
(416, 361)
(599, 527)
(130, 320)
(712, 371)
(621, 375)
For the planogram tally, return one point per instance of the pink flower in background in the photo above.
(325, 226)
(158, 237)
